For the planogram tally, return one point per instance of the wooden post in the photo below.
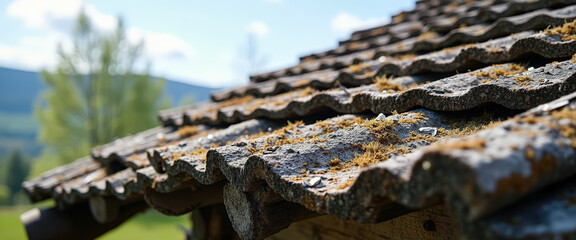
(257, 215)
(104, 209)
(211, 223)
(75, 222)
(185, 200)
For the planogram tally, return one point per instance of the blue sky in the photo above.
(199, 42)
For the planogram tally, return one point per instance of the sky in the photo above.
(199, 42)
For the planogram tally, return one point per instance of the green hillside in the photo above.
(19, 91)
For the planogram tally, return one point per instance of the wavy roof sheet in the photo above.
(467, 104)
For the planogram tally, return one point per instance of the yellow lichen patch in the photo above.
(387, 143)
(523, 80)
(328, 126)
(346, 184)
(308, 59)
(416, 117)
(347, 123)
(278, 137)
(573, 59)
(308, 91)
(403, 57)
(476, 144)
(334, 161)
(427, 36)
(567, 130)
(187, 131)
(252, 150)
(358, 68)
(399, 17)
(354, 45)
(302, 82)
(498, 70)
(467, 126)
(384, 83)
(566, 31)
(452, 6)
(373, 152)
(236, 101)
(377, 150)
(529, 154)
(415, 137)
(199, 152)
(494, 48)
(176, 156)
(381, 128)
(134, 157)
(378, 31)
(518, 183)
(325, 125)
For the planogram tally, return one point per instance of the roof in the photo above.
(463, 103)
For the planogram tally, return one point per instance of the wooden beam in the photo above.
(211, 223)
(432, 223)
(104, 209)
(185, 200)
(75, 222)
(259, 214)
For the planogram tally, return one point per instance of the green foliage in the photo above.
(187, 100)
(10, 225)
(149, 225)
(4, 194)
(17, 169)
(95, 94)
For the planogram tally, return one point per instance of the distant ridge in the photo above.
(19, 91)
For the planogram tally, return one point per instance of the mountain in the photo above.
(19, 91)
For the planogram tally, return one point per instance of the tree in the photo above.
(17, 169)
(249, 60)
(255, 61)
(95, 95)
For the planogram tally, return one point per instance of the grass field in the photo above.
(10, 227)
(148, 225)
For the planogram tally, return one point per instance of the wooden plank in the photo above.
(432, 223)
(185, 200)
(73, 223)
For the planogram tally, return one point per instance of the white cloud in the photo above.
(102, 22)
(42, 14)
(161, 45)
(32, 53)
(258, 28)
(52, 22)
(57, 15)
(345, 23)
